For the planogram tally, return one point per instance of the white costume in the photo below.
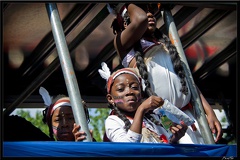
(165, 83)
(151, 133)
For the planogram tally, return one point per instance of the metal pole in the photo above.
(67, 68)
(201, 117)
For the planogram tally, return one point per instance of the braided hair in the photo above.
(120, 115)
(177, 64)
(118, 27)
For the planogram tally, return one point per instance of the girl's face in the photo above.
(125, 93)
(62, 123)
(151, 22)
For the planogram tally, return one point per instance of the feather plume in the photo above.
(105, 71)
(45, 95)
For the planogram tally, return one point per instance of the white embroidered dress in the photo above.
(165, 83)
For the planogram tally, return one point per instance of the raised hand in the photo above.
(152, 103)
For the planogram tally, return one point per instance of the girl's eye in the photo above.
(135, 87)
(120, 89)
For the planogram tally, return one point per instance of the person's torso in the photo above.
(162, 77)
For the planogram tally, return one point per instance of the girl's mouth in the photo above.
(151, 22)
(131, 101)
(65, 133)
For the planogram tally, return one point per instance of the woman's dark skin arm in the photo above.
(133, 32)
(213, 122)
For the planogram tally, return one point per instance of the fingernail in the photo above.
(182, 122)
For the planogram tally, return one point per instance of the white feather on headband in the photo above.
(105, 71)
(45, 95)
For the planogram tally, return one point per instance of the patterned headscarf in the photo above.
(106, 74)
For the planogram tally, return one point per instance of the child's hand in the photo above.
(152, 103)
(178, 131)
(79, 135)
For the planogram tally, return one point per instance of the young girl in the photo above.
(130, 120)
(59, 117)
(141, 45)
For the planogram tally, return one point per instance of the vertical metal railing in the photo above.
(67, 68)
(198, 108)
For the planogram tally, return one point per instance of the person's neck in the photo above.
(128, 114)
(149, 37)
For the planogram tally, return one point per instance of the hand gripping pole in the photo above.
(67, 68)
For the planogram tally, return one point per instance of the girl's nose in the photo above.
(64, 124)
(129, 90)
(64, 121)
(150, 15)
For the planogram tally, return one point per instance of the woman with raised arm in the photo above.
(141, 45)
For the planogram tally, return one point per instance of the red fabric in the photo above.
(164, 138)
(194, 127)
(188, 106)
